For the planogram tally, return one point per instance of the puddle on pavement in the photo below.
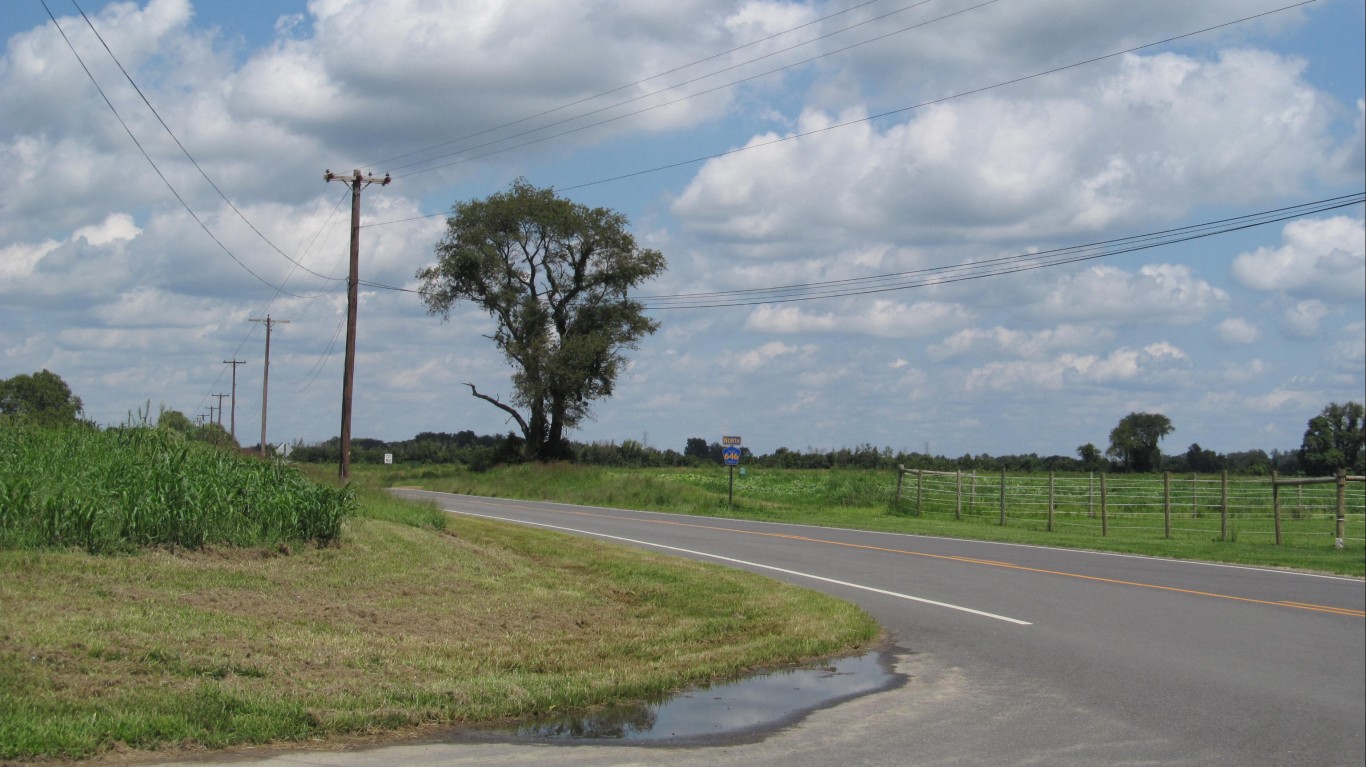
(756, 703)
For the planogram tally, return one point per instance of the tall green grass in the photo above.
(123, 488)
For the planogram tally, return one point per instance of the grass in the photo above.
(415, 619)
(863, 499)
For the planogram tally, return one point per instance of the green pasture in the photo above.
(1134, 519)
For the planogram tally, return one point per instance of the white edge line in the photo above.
(822, 578)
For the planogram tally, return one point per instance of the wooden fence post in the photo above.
(1195, 495)
(1091, 495)
(1223, 506)
(958, 509)
(1167, 503)
(919, 490)
(1276, 506)
(900, 472)
(1340, 529)
(1104, 521)
(1050, 501)
(1003, 497)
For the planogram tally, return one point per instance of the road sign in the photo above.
(730, 440)
(730, 455)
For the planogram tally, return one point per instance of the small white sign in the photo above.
(388, 458)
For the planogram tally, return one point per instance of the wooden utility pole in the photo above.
(233, 406)
(220, 408)
(265, 376)
(357, 182)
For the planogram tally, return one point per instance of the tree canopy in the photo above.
(555, 276)
(42, 397)
(1334, 439)
(1133, 442)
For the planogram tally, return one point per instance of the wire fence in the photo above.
(1285, 511)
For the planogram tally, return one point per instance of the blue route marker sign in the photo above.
(730, 455)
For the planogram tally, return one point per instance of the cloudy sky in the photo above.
(758, 144)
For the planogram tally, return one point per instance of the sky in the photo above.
(164, 185)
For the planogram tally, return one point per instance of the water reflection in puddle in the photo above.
(761, 701)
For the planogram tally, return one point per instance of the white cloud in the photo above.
(1236, 330)
(1163, 293)
(107, 280)
(757, 359)
(880, 317)
(1017, 343)
(1303, 319)
(1318, 258)
(1120, 366)
(1155, 135)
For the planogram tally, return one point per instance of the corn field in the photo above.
(123, 488)
(1290, 512)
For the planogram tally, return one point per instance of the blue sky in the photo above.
(1240, 338)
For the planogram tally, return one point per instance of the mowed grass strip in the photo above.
(412, 620)
(862, 499)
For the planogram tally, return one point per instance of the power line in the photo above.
(681, 98)
(150, 161)
(835, 126)
(644, 80)
(185, 151)
(932, 102)
(994, 267)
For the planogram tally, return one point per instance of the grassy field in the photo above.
(409, 619)
(1133, 523)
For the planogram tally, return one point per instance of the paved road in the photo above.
(1015, 655)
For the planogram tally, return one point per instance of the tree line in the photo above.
(1334, 439)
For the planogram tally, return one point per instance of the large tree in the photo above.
(1335, 439)
(42, 397)
(555, 276)
(1133, 442)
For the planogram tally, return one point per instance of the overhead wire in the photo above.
(931, 102)
(641, 81)
(992, 267)
(150, 161)
(689, 96)
(185, 151)
(834, 126)
(279, 290)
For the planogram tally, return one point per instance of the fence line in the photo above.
(1136, 502)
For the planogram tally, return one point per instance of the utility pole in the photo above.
(220, 408)
(233, 421)
(357, 182)
(265, 377)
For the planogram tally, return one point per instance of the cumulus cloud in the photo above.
(759, 358)
(881, 317)
(1302, 320)
(1119, 367)
(1017, 343)
(1157, 135)
(1169, 293)
(1318, 258)
(1236, 330)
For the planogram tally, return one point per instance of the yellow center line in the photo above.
(1350, 612)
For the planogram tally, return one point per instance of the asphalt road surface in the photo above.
(1014, 655)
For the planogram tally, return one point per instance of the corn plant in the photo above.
(122, 488)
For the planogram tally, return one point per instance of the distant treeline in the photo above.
(481, 452)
